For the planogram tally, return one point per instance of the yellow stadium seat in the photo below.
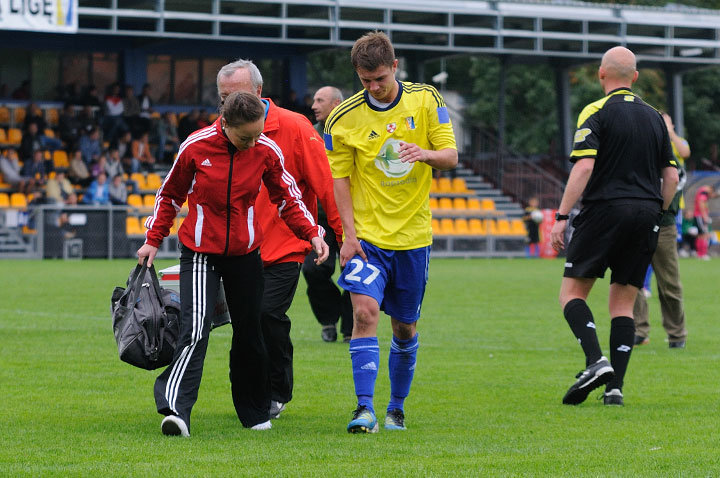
(459, 185)
(49, 133)
(435, 223)
(3, 136)
(173, 118)
(139, 178)
(490, 227)
(213, 117)
(503, 227)
(52, 116)
(517, 227)
(4, 115)
(434, 203)
(433, 186)
(18, 201)
(487, 204)
(444, 185)
(461, 226)
(14, 136)
(4, 200)
(460, 204)
(445, 203)
(153, 181)
(19, 115)
(149, 200)
(132, 226)
(176, 225)
(473, 204)
(476, 227)
(447, 225)
(135, 200)
(60, 159)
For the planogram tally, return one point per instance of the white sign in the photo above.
(59, 16)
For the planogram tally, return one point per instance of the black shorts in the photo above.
(702, 226)
(621, 235)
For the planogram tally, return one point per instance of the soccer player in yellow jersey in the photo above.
(383, 143)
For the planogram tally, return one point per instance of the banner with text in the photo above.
(58, 16)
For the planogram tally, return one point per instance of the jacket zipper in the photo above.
(231, 151)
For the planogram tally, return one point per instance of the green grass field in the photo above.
(495, 359)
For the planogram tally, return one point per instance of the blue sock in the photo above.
(365, 355)
(401, 364)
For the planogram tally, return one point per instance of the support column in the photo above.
(675, 100)
(562, 88)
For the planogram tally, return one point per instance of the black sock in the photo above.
(578, 315)
(622, 335)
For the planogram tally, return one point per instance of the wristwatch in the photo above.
(561, 217)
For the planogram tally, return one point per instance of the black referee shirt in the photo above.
(630, 143)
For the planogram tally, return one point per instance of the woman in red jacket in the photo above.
(219, 170)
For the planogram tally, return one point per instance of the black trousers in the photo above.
(327, 301)
(280, 284)
(176, 389)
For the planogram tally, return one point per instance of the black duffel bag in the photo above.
(145, 320)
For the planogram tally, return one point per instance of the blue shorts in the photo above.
(396, 279)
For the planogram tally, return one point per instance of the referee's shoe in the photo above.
(597, 374)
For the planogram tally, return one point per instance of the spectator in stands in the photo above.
(58, 189)
(113, 121)
(90, 146)
(113, 166)
(34, 169)
(188, 124)
(78, 171)
(33, 114)
(99, 166)
(203, 119)
(165, 133)
(703, 221)
(689, 231)
(146, 110)
(141, 152)
(69, 127)
(11, 170)
(22, 92)
(123, 143)
(117, 190)
(533, 227)
(98, 192)
(86, 119)
(33, 139)
(90, 97)
(131, 110)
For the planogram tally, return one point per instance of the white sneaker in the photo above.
(173, 425)
(262, 426)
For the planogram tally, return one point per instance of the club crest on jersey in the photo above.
(410, 122)
(391, 127)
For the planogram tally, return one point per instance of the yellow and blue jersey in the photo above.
(390, 198)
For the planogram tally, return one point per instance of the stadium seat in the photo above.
(213, 117)
(459, 185)
(445, 203)
(517, 227)
(487, 204)
(4, 115)
(153, 181)
(459, 204)
(4, 200)
(461, 226)
(433, 186)
(435, 223)
(49, 133)
(149, 200)
(135, 200)
(503, 227)
(490, 227)
(19, 115)
(133, 227)
(444, 185)
(434, 203)
(139, 178)
(52, 116)
(476, 226)
(474, 204)
(447, 226)
(173, 118)
(3, 136)
(18, 201)
(14, 136)
(60, 159)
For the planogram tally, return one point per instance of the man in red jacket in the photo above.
(282, 252)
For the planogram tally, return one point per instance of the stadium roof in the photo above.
(575, 31)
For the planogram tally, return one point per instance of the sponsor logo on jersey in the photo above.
(373, 135)
(391, 127)
(388, 160)
(410, 122)
(206, 162)
(581, 134)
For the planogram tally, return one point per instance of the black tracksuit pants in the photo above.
(176, 389)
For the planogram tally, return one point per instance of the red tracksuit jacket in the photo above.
(306, 161)
(221, 185)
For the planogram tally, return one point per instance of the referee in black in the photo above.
(621, 153)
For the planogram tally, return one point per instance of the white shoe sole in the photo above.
(172, 425)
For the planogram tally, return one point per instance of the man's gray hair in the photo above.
(231, 68)
(335, 94)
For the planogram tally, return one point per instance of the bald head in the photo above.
(325, 99)
(618, 68)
